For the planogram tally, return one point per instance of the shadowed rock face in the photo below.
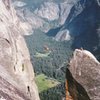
(16, 72)
(85, 70)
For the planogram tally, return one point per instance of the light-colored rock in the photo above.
(48, 10)
(65, 9)
(16, 72)
(63, 35)
(19, 4)
(29, 19)
(85, 70)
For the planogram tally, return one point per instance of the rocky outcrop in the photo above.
(16, 72)
(63, 35)
(84, 76)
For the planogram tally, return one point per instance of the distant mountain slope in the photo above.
(83, 24)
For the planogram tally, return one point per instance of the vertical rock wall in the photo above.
(16, 71)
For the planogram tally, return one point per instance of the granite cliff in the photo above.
(77, 21)
(83, 76)
(16, 71)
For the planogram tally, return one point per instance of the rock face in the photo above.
(85, 70)
(49, 11)
(16, 72)
(63, 35)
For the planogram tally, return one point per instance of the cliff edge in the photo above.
(16, 71)
(84, 76)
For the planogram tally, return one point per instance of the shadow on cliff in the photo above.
(76, 90)
(84, 27)
(55, 93)
(53, 32)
